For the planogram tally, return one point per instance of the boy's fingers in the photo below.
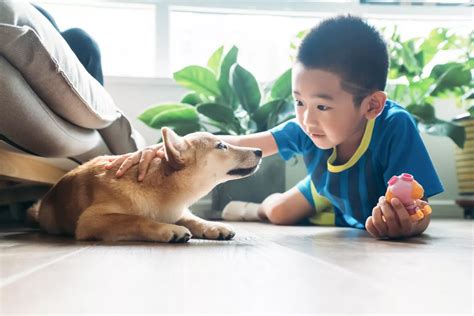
(114, 162)
(160, 153)
(144, 163)
(369, 225)
(391, 219)
(379, 224)
(127, 163)
(403, 217)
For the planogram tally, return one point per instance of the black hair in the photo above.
(350, 48)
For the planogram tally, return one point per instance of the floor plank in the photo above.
(265, 268)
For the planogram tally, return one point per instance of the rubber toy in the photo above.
(405, 188)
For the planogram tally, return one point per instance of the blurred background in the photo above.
(144, 42)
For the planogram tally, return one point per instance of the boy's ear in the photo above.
(374, 104)
(174, 146)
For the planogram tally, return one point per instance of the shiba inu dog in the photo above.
(90, 203)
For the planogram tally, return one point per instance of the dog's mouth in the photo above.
(243, 171)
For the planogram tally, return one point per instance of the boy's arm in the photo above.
(143, 157)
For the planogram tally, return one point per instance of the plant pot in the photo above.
(269, 179)
(465, 168)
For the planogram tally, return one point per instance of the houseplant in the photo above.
(418, 78)
(225, 98)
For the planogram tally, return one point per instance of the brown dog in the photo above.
(90, 203)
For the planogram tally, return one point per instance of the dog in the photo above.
(90, 203)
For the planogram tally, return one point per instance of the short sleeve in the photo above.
(291, 139)
(402, 150)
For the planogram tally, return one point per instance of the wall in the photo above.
(134, 95)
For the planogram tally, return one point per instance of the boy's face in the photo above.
(324, 110)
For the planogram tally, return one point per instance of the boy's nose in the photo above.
(309, 119)
(258, 153)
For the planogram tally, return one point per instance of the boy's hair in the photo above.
(350, 48)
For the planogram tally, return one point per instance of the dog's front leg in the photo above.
(205, 229)
(94, 223)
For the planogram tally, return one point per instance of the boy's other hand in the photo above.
(391, 220)
(141, 157)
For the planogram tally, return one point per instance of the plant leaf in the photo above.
(198, 79)
(148, 115)
(260, 116)
(409, 60)
(227, 93)
(217, 112)
(170, 115)
(246, 88)
(424, 113)
(444, 128)
(214, 62)
(191, 98)
(282, 87)
(450, 75)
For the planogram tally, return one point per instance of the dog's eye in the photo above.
(221, 146)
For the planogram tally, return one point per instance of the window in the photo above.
(154, 38)
(124, 32)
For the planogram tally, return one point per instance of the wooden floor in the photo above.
(266, 268)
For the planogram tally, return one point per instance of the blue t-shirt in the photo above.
(391, 145)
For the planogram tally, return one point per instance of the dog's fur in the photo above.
(91, 203)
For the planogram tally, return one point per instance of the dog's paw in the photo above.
(175, 234)
(216, 231)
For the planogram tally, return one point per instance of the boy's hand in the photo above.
(393, 221)
(141, 157)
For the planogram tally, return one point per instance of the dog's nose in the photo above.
(258, 153)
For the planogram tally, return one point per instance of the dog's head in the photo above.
(208, 158)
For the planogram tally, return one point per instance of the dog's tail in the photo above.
(32, 214)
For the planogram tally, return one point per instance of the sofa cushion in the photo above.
(30, 43)
(29, 124)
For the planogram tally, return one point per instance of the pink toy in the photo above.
(405, 188)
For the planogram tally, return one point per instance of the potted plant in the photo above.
(225, 98)
(417, 79)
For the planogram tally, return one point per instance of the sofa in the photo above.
(54, 116)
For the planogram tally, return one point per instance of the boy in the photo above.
(353, 140)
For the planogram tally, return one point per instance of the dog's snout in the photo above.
(258, 153)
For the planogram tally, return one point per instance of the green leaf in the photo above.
(246, 88)
(227, 93)
(199, 79)
(471, 111)
(409, 59)
(217, 112)
(431, 45)
(450, 75)
(214, 61)
(149, 114)
(424, 113)
(443, 128)
(282, 87)
(184, 128)
(191, 98)
(260, 116)
(172, 115)
(175, 117)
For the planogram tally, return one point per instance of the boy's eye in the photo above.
(323, 107)
(221, 146)
(298, 103)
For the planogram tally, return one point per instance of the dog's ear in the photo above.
(174, 146)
